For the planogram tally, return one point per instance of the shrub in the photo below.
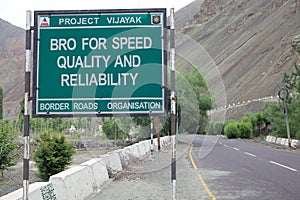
(216, 128)
(52, 154)
(245, 129)
(231, 130)
(7, 146)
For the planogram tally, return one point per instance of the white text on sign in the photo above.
(78, 21)
(70, 44)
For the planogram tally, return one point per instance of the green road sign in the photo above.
(103, 62)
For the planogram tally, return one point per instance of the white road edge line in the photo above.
(281, 165)
(236, 149)
(250, 154)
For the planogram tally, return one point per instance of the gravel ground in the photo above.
(150, 179)
(13, 179)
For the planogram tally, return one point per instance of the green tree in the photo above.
(52, 154)
(7, 147)
(257, 120)
(195, 101)
(275, 114)
(292, 81)
(294, 116)
(298, 49)
(260, 121)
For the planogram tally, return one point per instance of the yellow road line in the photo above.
(192, 160)
(200, 177)
(206, 188)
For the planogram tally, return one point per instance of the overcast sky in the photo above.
(14, 11)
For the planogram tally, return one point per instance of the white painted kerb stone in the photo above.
(34, 192)
(112, 162)
(98, 171)
(74, 183)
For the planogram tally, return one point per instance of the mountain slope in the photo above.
(12, 59)
(249, 41)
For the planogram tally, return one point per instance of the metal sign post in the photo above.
(173, 104)
(99, 62)
(151, 133)
(157, 133)
(27, 108)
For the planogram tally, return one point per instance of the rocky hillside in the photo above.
(12, 62)
(249, 42)
(243, 46)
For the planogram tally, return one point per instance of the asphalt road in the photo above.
(211, 168)
(235, 169)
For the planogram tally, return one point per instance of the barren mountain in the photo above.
(248, 43)
(12, 62)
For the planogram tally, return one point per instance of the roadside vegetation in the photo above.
(8, 147)
(271, 120)
(52, 144)
(251, 125)
(194, 111)
(7, 144)
(52, 154)
(275, 112)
